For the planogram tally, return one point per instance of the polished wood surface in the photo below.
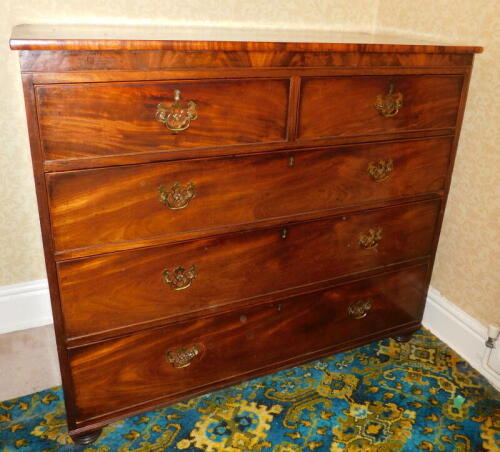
(346, 104)
(231, 268)
(161, 153)
(137, 37)
(74, 64)
(102, 119)
(289, 231)
(124, 203)
(118, 373)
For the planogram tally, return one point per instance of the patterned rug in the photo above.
(382, 397)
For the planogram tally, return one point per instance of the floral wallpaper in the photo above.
(467, 264)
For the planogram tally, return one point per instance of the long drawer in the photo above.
(114, 205)
(98, 119)
(366, 105)
(127, 288)
(173, 360)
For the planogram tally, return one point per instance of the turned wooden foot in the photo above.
(403, 337)
(86, 438)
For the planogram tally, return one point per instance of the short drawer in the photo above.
(121, 204)
(185, 357)
(366, 105)
(99, 119)
(129, 288)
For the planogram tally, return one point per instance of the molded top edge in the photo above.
(154, 37)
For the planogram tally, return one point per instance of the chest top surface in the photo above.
(136, 37)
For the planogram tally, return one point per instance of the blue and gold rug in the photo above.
(382, 397)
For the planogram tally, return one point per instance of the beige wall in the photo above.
(465, 270)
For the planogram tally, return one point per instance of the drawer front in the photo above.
(176, 359)
(98, 119)
(127, 288)
(113, 205)
(365, 105)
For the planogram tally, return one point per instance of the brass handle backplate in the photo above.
(183, 356)
(360, 308)
(371, 238)
(178, 116)
(178, 196)
(380, 170)
(180, 278)
(389, 104)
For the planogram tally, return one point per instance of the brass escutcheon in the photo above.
(371, 238)
(178, 116)
(178, 196)
(360, 308)
(183, 356)
(180, 278)
(380, 170)
(389, 104)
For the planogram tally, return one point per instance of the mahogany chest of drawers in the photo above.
(215, 210)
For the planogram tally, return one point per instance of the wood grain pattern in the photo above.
(149, 37)
(202, 73)
(264, 235)
(124, 204)
(187, 154)
(55, 61)
(50, 265)
(162, 154)
(104, 119)
(114, 374)
(122, 289)
(344, 106)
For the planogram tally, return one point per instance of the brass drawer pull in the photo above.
(183, 356)
(380, 170)
(360, 308)
(178, 116)
(371, 238)
(180, 278)
(389, 104)
(178, 196)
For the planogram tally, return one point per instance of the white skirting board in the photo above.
(27, 305)
(24, 305)
(462, 333)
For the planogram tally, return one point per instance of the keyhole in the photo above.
(291, 160)
(284, 233)
(278, 307)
